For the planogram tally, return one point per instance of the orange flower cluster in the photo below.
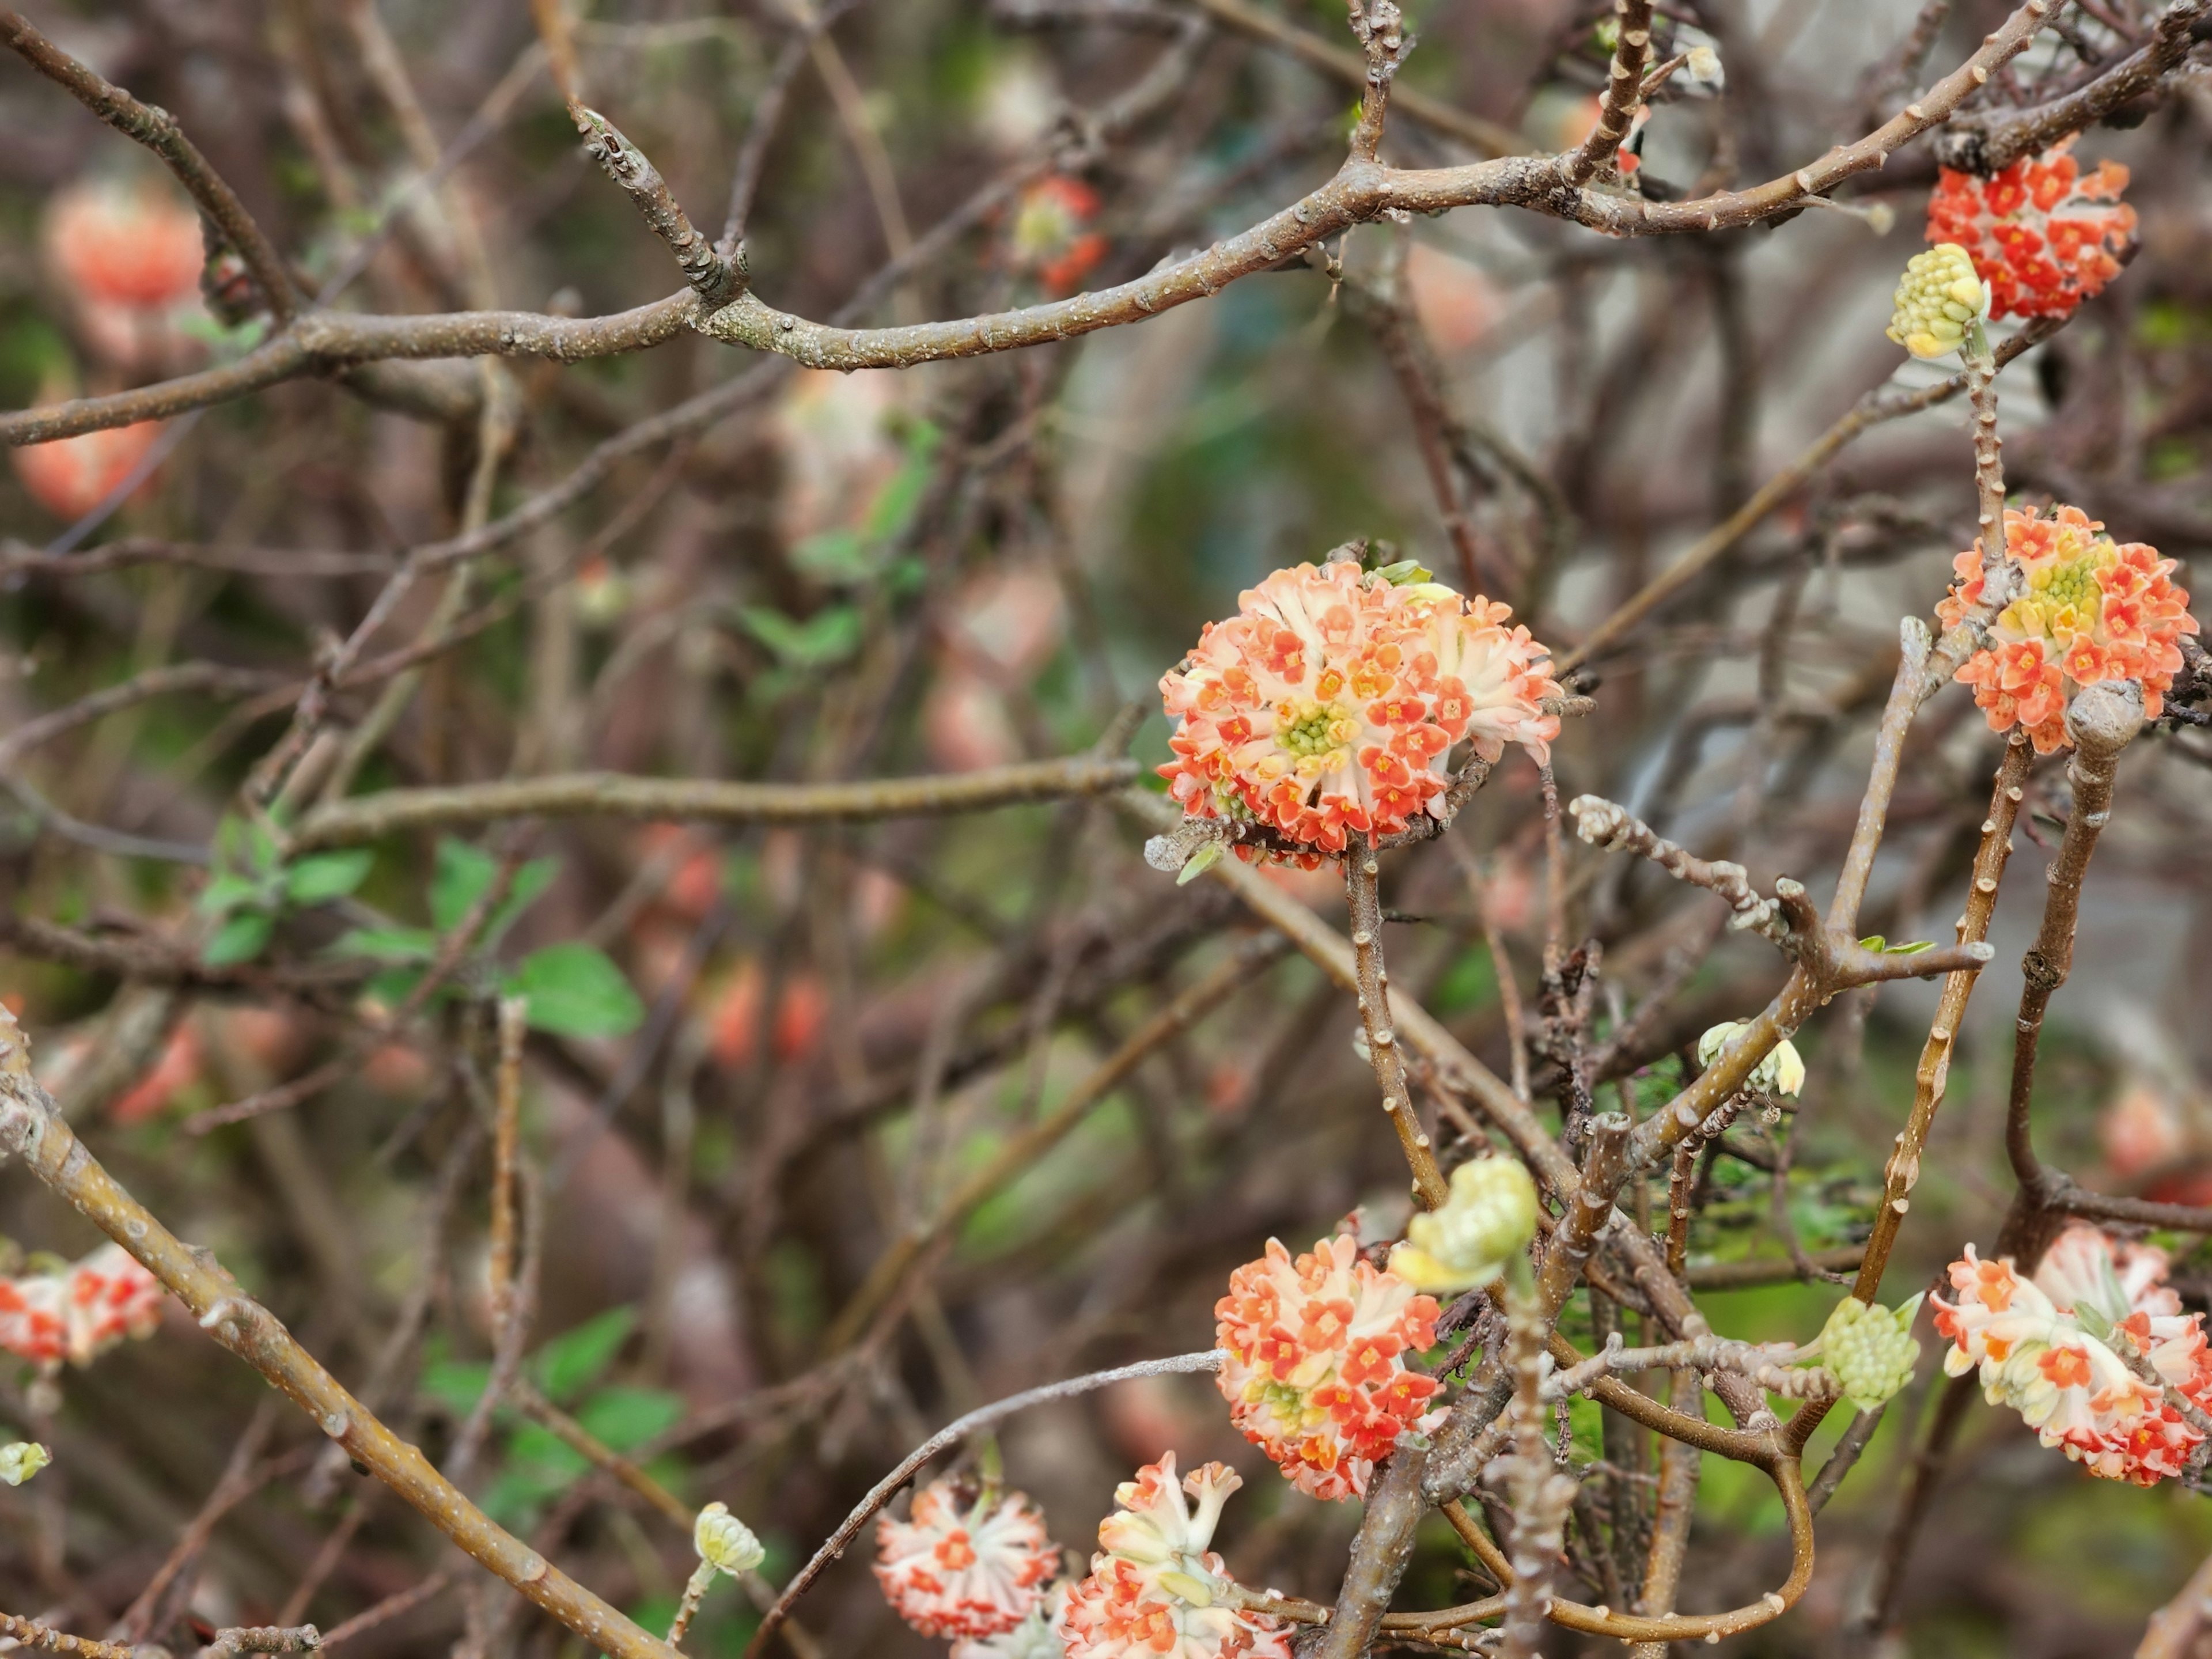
(2049, 1347)
(2093, 610)
(79, 1311)
(1328, 704)
(2043, 234)
(1315, 1375)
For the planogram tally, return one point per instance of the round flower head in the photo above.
(22, 1459)
(1870, 1349)
(2049, 1347)
(1488, 1218)
(1313, 1376)
(1037, 1636)
(1938, 299)
(1328, 704)
(77, 1312)
(2045, 234)
(1156, 1591)
(70, 476)
(124, 245)
(1781, 1071)
(2092, 609)
(967, 1563)
(726, 1543)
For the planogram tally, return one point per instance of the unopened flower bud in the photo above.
(1939, 298)
(1702, 66)
(1781, 1073)
(22, 1460)
(1487, 1220)
(1870, 1349)
(726, 1543)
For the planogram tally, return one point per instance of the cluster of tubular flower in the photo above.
(78, 1310)
(968, 1562)
(1327, 705)
(1314, 1372)
(2051, 1348)
(2091, 609)
(2042, 233)
(1051, 239)
(1156, 1591)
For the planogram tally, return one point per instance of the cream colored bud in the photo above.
(1702, 65)
(22, 1460)
(1488, 1218)
(726, 1543)
(1781, 1073)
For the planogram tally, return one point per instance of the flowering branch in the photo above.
(32, 1127)
(1362, 190)
(950, 1435)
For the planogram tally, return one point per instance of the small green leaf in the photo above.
(833, 556)
(893, 509)
(1199, 862)
(322, 877)
(827, 637)
(574, 990)
(455, 1384)
(1874, 942)
(241, 939)
(387, 944)
(1405, 573)
(625, 1419)
(226, 893)
(465, 874)
(579, 1357)
(1912, 949)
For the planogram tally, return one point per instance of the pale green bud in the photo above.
(1487, 1220)
(726, 1543)
(22, 1460)
(1781, 1073)
(1870, 1349)
(1940, 297)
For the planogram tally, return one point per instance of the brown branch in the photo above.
(30, 1633)
(157, 130)
(1352, 71)
(2175, 1629)
(1361, 870)
(1622, 96)
(610, 794)
(714, 279)
(32, 1129)
(1381, 31)
(1988, 142)
(1902, 1172)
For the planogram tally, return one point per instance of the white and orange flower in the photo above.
(2093, 610)
(2043, 234)
(968, 1563)
(2049, 1347)
(1156, 1591)
(78, 1311)
(1316, 1375)
(1328, 704)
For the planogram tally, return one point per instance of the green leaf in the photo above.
(828, 636)
(1912, 949)
(576, 1359)
(322, 877)
(1405, 573)
(387, 944)
(226, 893)
(1199, 862)
(241, 939)
(455, 1384)
(627, 1418)
(1874, 942)
(576, 991)
(833, 556)
(893, 509)
(465, 874)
